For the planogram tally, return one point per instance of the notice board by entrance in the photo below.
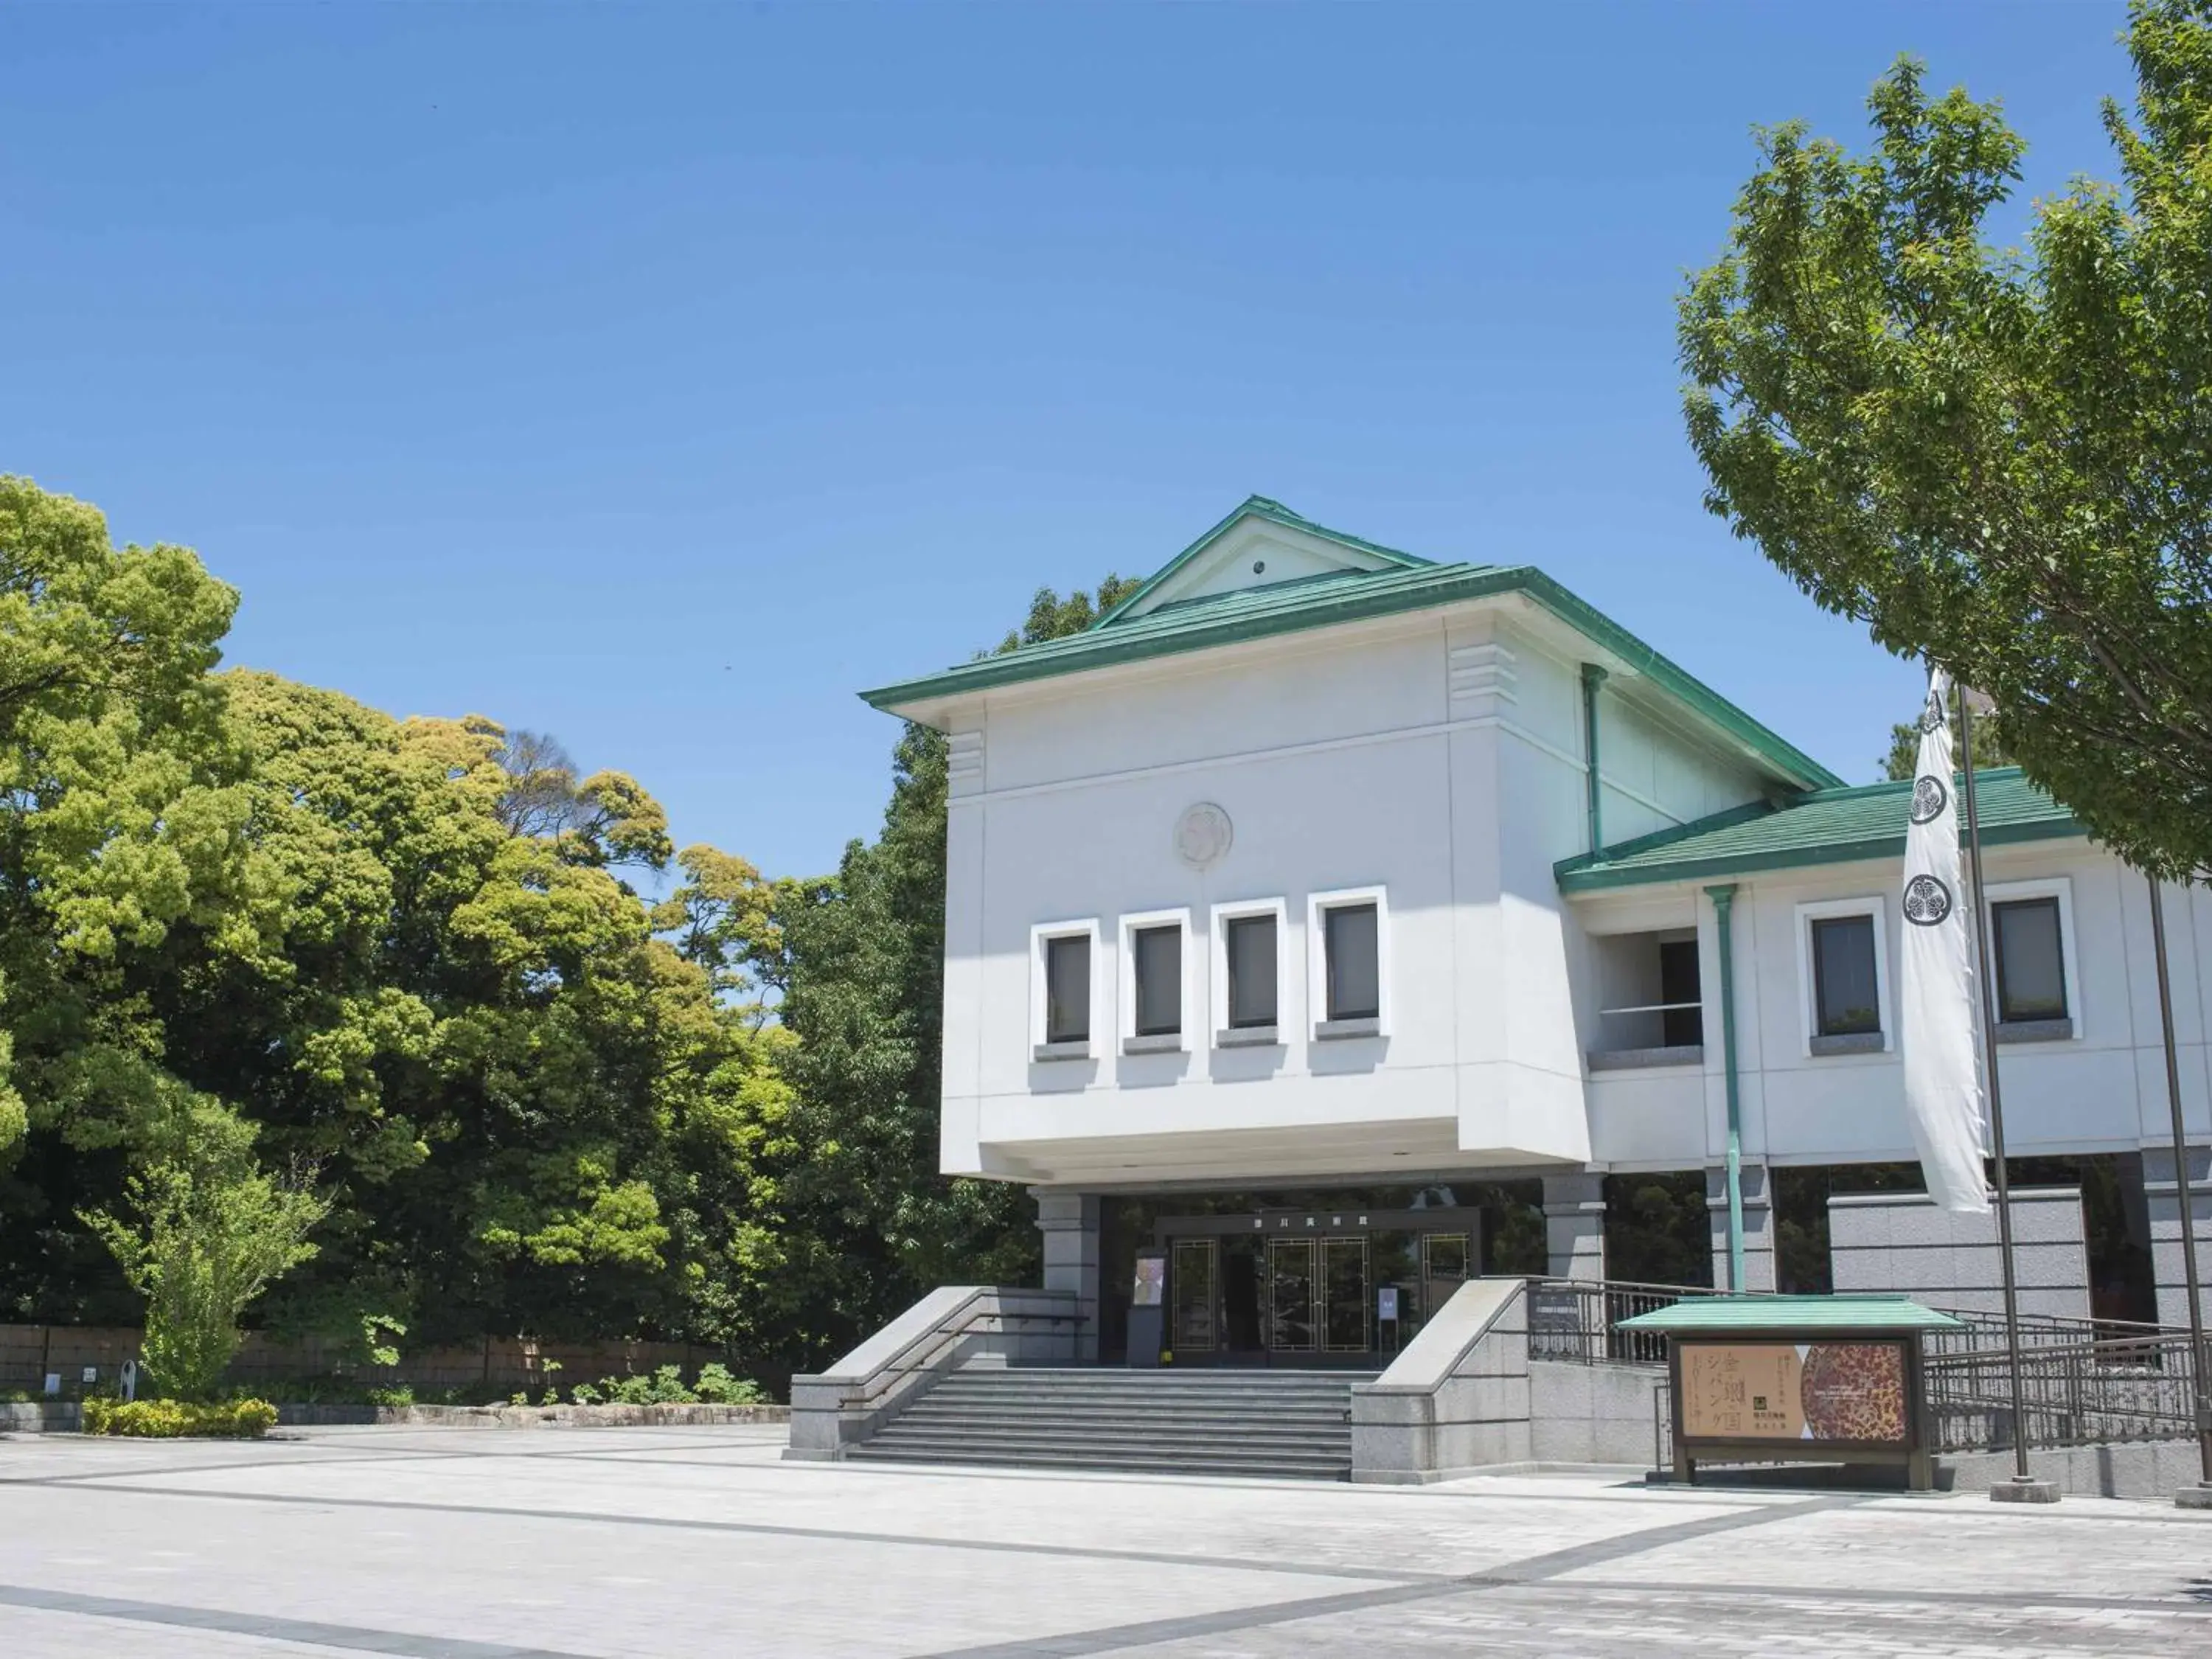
(1797, 1379)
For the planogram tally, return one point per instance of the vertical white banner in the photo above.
(1936, 1021)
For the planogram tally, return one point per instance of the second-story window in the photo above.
(1355, 967)
(1159, 967)
(1846, 996)
(1248, 943)
(2031, 967)
(1067, 988)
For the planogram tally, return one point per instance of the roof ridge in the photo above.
(1899, 785)
(1255, 506)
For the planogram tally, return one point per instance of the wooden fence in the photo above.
(30, 1353)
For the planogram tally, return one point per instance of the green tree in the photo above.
(209, 1231)
(401, 953)
(120, 814)
(1999, 459)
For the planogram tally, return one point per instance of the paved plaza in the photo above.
(468, 1543)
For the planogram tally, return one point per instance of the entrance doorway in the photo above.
(1343, 1289)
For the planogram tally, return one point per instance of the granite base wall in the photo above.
(1901, 1243)
(1594, 1414)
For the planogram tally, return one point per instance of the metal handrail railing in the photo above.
(2071, 1395)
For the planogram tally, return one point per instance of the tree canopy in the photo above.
(1998, 458)
(292, 986)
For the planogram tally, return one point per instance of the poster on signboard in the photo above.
(1821, 1391)
(1150, 1286)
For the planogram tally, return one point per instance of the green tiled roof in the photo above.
(1711, 1316)
(1406, 584)
(1827, 826)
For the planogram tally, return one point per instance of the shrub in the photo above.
(209, 1231)
(664, 1388)
(716, 1387)
(584, 1395)
(167, 1420)
(399, 1394)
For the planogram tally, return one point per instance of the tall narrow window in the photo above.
(1159, 964)
(1355, 968)
(1846, 1001)
(1067, 988)
(1249, 942)
(1681, 1015)
(2031, 967)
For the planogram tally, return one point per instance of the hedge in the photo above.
(167, 1420)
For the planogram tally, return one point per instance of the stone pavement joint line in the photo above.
(2025, 1599)
(1115, 1638)
(302, 1631)
(828, 1535)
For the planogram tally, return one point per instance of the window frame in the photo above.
(1131, 1040)
(1809, 1007)
(1319, 1027)
(1222, 1035)
(1040, 936)
(2008, 892)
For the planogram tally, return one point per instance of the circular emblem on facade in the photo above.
(1930, 798)
(1927, 901)
(1201, 834)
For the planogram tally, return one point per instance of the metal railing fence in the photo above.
(2075, 1394)
(1576, 1319)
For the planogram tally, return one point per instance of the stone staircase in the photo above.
(1278, 1424)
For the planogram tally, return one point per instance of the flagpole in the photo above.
(2023, 1485)
(2202, 1497)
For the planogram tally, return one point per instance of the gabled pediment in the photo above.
(1261, 544)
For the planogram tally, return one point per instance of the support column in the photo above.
(2160, 1191)
(1574, 1225)
(1758, 1227)
(1069, 1221)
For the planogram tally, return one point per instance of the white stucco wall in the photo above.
(1438, 757)
(2102, 1089)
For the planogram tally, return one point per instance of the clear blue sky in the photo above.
(657, 377)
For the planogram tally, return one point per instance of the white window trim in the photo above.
(1218, 929)
(1131, 926)
(2061, 889)
(1043, 933)
(1809, 1015)
(1317, 905)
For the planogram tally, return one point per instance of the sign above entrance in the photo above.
(1335, 1218)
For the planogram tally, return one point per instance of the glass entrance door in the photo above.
(1444, 1264)
(1193, 1295)
(1290, 1296)
(1344, 1295)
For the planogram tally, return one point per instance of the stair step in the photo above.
(1268, 1467)
(1294, 1424)
(1134, 1436)
(1014, 1412)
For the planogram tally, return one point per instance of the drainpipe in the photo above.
(1723, 898)
(1592, 677)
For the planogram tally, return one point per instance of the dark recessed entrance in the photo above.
(1311, 1288)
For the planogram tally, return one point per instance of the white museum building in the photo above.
(1336, 923)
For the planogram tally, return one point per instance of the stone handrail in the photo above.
(953, 1326)
(1456, 1398)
